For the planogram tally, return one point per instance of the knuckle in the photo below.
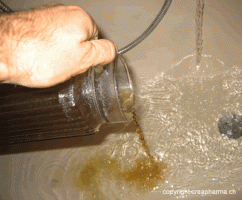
(75, 8)
(80, 12)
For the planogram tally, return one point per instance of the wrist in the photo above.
(10, 31)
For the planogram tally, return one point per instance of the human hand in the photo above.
(51, 43)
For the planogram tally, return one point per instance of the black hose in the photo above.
(153, 25)
(4, 7)
(130, 46)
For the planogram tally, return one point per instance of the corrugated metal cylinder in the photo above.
(79, 106)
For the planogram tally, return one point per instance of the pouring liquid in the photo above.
(144, 175)
(199, 24)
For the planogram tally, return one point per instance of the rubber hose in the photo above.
(148, 31)
(4, 7)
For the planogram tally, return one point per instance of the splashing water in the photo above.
(180, 120)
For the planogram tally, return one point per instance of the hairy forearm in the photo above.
(15, 29)
(12, 29)
(5, 47)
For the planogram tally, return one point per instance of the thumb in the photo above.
(99, 52)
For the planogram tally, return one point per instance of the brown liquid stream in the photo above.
(144, 174)
(141, 137)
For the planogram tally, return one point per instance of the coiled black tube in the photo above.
(4, 7)
(153, 25)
